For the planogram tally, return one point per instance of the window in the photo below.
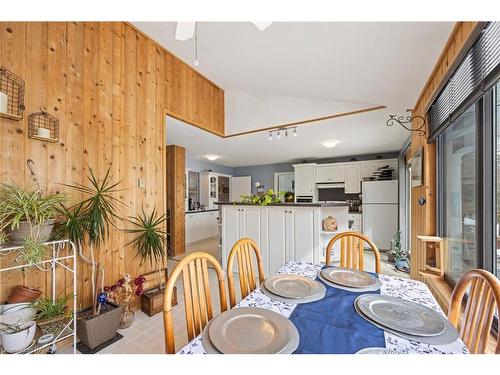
(496, 117)
(458, 153)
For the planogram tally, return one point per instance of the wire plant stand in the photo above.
(58, 257)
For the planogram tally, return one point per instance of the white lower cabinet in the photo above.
(239, 222)
(283, 234)
(201, 226)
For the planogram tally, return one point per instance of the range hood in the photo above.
(330, 185)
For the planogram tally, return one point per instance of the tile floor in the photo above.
(146, 336)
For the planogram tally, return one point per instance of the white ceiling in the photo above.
(357, 135)
(334, 65)
(363, 62)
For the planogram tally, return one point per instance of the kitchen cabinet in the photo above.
(292, 234)
(352, 174)
(201, 226)
(214, 188)
(238, 222)
(305, 179)
(330, 173)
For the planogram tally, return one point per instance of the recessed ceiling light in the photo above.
(211, 157)
(330, 143)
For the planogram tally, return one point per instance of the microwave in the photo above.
(304, 199)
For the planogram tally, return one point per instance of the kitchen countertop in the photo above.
(198, 211)
(292, 204)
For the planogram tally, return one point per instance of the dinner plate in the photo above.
(349, 277)
(354, 290)
(401, 315)
(293, 301)
(292, 286)
(206, 342)
(449, 335)
(253, 330)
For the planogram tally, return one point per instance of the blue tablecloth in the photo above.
(332, 325)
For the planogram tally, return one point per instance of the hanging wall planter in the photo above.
(11, 95)
(42, 126)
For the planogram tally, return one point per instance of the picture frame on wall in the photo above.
(417, 168)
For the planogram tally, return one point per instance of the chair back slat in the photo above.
(352, 250)
(243, 250)
(197, 297)
(483, 300)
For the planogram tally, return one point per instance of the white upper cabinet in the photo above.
(338, 173)
(305, 179)
(352, 174)
(330, 173)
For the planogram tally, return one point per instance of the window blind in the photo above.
(476, 73)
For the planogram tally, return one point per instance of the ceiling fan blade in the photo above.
(262, 25)
(184, 30)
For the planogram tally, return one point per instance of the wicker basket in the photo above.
(54, 325)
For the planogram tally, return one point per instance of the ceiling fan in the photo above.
(185, 30)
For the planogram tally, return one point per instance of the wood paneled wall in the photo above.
(110, 87)
(423, 218)
(176, 190)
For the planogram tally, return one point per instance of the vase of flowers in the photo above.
(122, 293)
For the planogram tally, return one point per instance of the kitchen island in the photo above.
(284, 231)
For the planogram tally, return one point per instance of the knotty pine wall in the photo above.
(110, 86)
(423, 218)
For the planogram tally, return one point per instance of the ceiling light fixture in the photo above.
(211, 157)
(284, 130)
(330, 143)
(262, 25)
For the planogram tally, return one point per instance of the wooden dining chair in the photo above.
(352, 250)
(197, 296)
(483, 298)
(243, 250)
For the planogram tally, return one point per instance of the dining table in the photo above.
(332, 326)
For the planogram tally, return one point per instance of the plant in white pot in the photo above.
(89, 223)
(400, 255)
(17, 336)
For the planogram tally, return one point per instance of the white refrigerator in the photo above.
(380, 211)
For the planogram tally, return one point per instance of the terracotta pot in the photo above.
(23, 294)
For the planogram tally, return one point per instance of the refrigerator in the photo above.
(380, 211)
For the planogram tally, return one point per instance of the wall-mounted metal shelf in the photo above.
(13, 87)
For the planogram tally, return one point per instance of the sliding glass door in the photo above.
(458, 153)
(496, 117)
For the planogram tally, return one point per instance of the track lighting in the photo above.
(284, 130)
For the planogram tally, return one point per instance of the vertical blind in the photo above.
(475, 74)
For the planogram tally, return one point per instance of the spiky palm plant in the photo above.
(151, 239)
(90, 220)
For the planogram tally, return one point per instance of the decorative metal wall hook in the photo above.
(407, 120)
(31, 165)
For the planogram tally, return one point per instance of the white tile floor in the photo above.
(146, 336)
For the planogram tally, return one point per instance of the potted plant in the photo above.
(397, 251)
(122, 294)
(151, 243)
(263, 199)
(22, 293)
(88, 223)
(52, 315)
(26, 214)
(17, 337)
